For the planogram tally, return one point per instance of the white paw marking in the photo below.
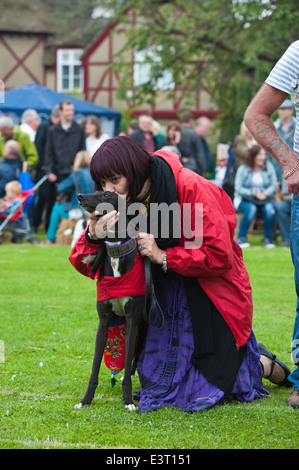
(130, 407)
(78, 406)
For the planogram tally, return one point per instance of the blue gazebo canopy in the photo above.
(43, 99)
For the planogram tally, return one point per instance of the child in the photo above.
(13, 191)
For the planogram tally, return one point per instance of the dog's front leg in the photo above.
(132, 309)
(100, 343)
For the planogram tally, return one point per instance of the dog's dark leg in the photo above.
(104, 311)
(132, 310)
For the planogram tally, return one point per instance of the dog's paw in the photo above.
(78, 406)
(130, 407)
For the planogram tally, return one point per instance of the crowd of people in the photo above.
(253, 181)
(60, 148)
(205, 352)
(51, 148)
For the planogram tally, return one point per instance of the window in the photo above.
(69, 70)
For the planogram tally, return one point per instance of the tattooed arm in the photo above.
(258, 121)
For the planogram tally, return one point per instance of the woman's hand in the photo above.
(99, 225)
(52, 178)
(177, 136)
(148, 247)
(260, 195)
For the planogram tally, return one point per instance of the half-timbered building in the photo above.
(77, 59)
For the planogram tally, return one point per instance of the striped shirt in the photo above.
(285, 77)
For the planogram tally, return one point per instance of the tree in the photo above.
(225, 46)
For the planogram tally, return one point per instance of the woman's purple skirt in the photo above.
(166, 373)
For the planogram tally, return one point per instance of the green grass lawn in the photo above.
(48, 321)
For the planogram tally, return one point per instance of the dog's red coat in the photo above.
(130, 284)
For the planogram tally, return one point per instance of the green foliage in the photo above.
(76, 8)
(227, 47)
(48, 323)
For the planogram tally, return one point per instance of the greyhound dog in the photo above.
(119, 258)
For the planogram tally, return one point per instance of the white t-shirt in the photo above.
(93, 144)
(31, 132)
(285, 77)
(257, 183)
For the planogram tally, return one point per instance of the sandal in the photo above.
(265, 352)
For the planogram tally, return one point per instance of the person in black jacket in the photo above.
(47, 191)
(195, 160)
(10, 165)
(64, 140)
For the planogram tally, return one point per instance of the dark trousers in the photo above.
(45, 199)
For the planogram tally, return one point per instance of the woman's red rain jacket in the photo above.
(216, 263)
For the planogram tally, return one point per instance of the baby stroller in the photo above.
(17, 220)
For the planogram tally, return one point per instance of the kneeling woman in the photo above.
(201, 349)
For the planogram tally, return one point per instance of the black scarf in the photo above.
(163, 190)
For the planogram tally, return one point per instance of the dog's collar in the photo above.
(117, 251)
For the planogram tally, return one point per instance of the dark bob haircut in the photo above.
(121, 156)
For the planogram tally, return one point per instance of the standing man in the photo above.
(10, 165)
(195, 160)
(202, 127)
(133, 126)
(64, 140)
(282, 82)
(47, 191)
(144, 135)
